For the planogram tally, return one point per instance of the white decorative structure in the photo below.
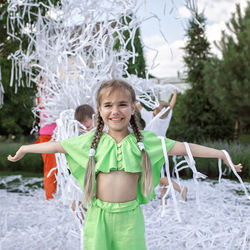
(70, 52)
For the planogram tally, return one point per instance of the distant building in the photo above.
(178, 82)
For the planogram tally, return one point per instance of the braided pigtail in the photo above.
(89, 180)
(147, 175)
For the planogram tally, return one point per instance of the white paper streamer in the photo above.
(1, 89)
(222, 223)
(71, 48)
(73, 53)
(170, 184)
(236, 174)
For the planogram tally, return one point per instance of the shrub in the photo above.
(30, 162)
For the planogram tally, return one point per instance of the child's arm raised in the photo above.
(173, 100)
(40, 148)
(201, 151)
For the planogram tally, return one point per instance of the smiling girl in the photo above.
(117, 170)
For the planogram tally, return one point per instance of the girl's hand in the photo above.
(237, 167)
(19, 155)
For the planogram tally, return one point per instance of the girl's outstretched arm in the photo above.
(201, 151)
(40, 148)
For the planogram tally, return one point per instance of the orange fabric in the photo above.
(49, 161)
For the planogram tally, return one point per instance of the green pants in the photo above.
(114, 226)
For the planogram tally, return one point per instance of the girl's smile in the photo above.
(116, 109)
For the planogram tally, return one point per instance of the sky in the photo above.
(165, 35)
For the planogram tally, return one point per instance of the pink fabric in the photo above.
(47, 129)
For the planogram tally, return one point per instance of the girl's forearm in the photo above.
(40, 148)
(43, 148)
(196, 150)
(202, 151)
(205, 152)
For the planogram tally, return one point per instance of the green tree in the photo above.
(15, 115)
(139, 66)
(195, 118)
(228, 79)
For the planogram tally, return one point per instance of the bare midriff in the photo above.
(117, 186)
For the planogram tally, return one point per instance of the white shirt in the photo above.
(158, 126)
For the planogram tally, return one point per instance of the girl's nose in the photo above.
(115, 113)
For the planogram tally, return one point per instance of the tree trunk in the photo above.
(236, 130)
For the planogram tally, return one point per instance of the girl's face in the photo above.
(116, 108)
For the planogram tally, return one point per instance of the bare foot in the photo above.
(184, 193)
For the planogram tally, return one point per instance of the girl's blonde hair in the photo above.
(147, 176)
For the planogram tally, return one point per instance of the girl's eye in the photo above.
(107, 105)
(123, 104)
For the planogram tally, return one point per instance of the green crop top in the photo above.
(110, 156)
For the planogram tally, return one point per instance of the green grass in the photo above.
(24, 174)
(30, 162)
(244, 138)
(240, 192)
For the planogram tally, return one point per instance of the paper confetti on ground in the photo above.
(28, 221)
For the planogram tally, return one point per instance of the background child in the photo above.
(160, 126)
(107, 166)
(85, 115)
